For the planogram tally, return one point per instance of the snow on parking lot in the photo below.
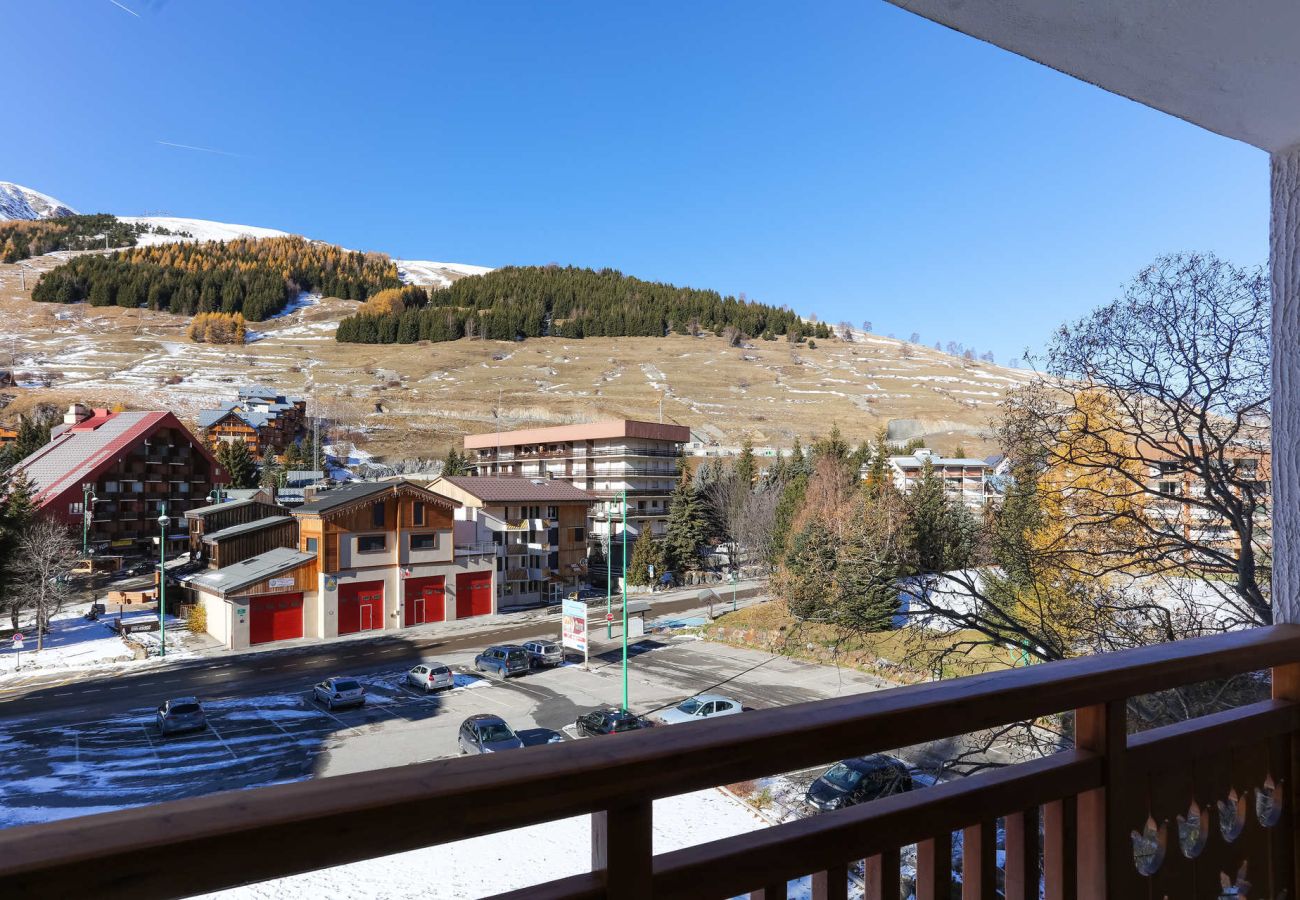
(72, 770)
(505, 861)
(74, 641)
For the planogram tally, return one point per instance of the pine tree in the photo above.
(745, 463)
(799, 464)
(878, 474)
(688, 527)
(455, 463)
(237, 460)
(17, 511)
(272, 473)
(942, 530)
(294, 459)
(645, 553)
(787, 508)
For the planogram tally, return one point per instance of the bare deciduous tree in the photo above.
(46, 555)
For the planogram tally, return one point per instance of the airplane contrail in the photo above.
(200, 149)
(127, 8)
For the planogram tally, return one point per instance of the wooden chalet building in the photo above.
(372, 556)
(129, 465)
(261, 417)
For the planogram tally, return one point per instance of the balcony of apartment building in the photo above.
(1196, 809)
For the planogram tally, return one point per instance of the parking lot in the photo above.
(95, 765)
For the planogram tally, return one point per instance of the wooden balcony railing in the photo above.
(1067, 820)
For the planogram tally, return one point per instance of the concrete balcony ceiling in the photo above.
(1231, 68)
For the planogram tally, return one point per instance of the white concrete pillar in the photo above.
(1284, 261)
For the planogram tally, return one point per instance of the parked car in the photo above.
(544, 654)
(337, 692)
(503, 660)
(181, 714)
(486, 733)
(609, 721)
(859, 780)
(431, 676)
(534, 737)
(699, 708)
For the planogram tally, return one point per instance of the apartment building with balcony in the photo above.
(603, 458)
(262, 417)
(129, 465)
(368, 556)
(537, 527)
(965, 479)
(1180, 493)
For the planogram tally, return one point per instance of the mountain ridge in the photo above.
(20, 202)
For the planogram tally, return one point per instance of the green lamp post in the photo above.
(162, 576)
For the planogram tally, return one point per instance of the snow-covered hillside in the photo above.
(18, 202)
(196, 230)
(435, 274)
(413, 271)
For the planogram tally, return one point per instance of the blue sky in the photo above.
(846, 158)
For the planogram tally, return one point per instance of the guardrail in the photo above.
(1084, 803)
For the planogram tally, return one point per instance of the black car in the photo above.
(609, 721)
(859, 780)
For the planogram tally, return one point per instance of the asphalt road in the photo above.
(249, 674)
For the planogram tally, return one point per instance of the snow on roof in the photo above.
(73, 455)
(228, 579)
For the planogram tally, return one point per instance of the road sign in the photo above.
(609, 617)
(18, 641)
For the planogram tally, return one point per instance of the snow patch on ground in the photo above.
(435, 274)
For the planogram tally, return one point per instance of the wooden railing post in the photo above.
(622, 844)
(1286, 686)
(979, 866)
(1060, 849)
(1102, 837)
(934, 868)
(1022, 855)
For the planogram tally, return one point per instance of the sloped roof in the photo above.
(618, 428)
(229, 579)
(357, 491)
(506, 489)
(82, 451)
(200, 511)
(246, 528)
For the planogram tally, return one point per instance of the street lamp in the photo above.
(735, 577)
(624, 541)
(162, 576)
(214, 495)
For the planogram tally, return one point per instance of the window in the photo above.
(552, 512)
(427, 541)
(417, 514)
(312, 545)
(579, 535)
(371, 543)
(75, 509)
(377, 515)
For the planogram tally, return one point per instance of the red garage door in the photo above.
(274, 617)
(424, 600)
(473, 594)
(361, 606)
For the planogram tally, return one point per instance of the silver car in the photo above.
(544, 654)
(336, 692)
(486, 733)
(431, 676)
(699, 708)
(181, 714)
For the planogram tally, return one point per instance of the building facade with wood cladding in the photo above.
(537, 528)
(130, 466)
(261, 417)
(359, 558)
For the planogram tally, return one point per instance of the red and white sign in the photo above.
(609, 617)
(18, 641)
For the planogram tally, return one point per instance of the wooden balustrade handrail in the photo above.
(332, 821)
